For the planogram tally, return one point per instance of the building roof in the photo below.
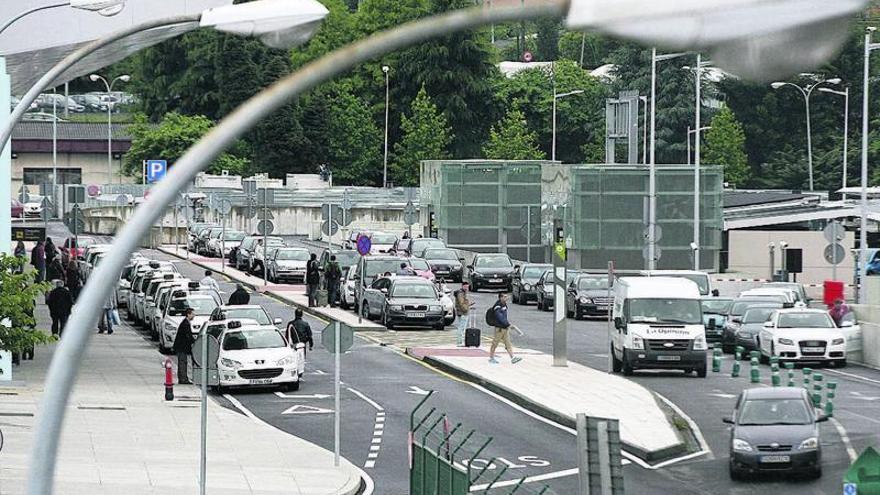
(736, 199)
(69, 131)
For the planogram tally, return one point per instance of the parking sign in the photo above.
(155, 170)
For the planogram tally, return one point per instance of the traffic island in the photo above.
(649, 428)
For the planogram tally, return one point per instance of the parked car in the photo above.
(224, 241)
(382, 242)
(92, 103)
(203, 306)
(347, 295)
(245, 251)
(256, 355)
(401, 247)
(403, 301)
(733, 320)
(445, 263)
(422, 268)
(524, 280)
(287, 264)
(33, 209)
(587, 295)
(806, 335)
(775, 430)
(346, 258)
(258, 253)
(17, 208)
(491, 270)
(245, 312)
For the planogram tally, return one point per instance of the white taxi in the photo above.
(256, 355)
(202, 304)
(800, 334)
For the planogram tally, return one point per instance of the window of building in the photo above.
(37, 176)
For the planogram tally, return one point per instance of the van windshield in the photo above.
(702, 281)
(681, 311)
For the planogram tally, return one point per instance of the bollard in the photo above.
(737, 357)
(807, 373)
(755, 354)
(789, 367)
(829, 402)
(716, 359)
(169, 380)
(755, 372)
(774, 360)
(774, 375)
(817, 389)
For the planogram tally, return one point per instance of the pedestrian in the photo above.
(463, 307)
(839, 311)
(60, 303)
(51, 250)
(38, 260)
(313, 277)
(107, 316)
(239, 297)
(182, 346)
(334, 277)
(502, 330)
(74, 279)
(209, 282)
(405, 270)
(55, 270)
(299, 330)
(21, 254)
(406, 234)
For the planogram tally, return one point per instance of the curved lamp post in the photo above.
(109, 87)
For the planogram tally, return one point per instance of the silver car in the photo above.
(287, 264)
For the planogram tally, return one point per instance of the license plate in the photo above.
(813, 349)
(668, 358)
(775, 458)
(442, 272)
(415, 315)
(261, 381)
(495, 280)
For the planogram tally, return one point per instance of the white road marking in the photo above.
(369, 485)
(859, 396)
(529, 479)
(850, 451)
(722, 395)
(378, 429)
(366, 399)
(314, 396)
(704, 446)
(417, 391)
(853, 376)
(303, 409)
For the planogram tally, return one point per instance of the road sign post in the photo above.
(337, 338)
(364, 245)
(600, 465)
(560, 324)
(608, 326)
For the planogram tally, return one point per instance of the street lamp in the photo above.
(557, 96)
(845, 94)
(694, 132)
(109, 85)
(698, 106)
(106, 8)
(385, 69)
(806, 91)
(644, 99)
(863, 202)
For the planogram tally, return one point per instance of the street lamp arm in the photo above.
(562, 95)
(12, 21)
(69, 352)
(77, 55)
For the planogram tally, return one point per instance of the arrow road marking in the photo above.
(314, 396)
(859, 396)
(301, 409)
(722, 395)
(417, 391)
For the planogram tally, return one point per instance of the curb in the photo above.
(556, 417)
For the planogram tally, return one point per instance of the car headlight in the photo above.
(477, 274)
(810, 443)
(169, 327)
(527, 286)
(548, 289)
(230, 363)
(584, 300)
(436, 308)
(741, 445)
(396, 307)
(285, 361)
(838, 342)
(785, 342)
(744, 335)
(638, 343)
(700, 343)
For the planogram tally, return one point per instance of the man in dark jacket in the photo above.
(299, 330)
(60, 302)
(74, 279)
(239, 297)
(51, 251)
(313, 277)
(183, 344)
(38, 259)
(502, 331)
(334, 276)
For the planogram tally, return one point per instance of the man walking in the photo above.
(299, 330)
(463, 307)
(109, 307)
(60, 302)
(209, 282)
(183, 344)
(51, 250)
(74, 279)
(334, 275)
(502, 330)
(313, 277)
(38, 259)
(239, 297)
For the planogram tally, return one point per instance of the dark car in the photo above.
(734, 319)
(775, 430)
(346, 258)
(401, 247)
(752, 321)
(418, 245)
(445, 263)
(491, 271)
(404, 301)
(587, 295)
(544, 288)
(714, 315)
(524, 281)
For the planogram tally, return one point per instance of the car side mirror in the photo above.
(727, 420)
(383, 290)
(618, 323)
(277, 321)
(768, 324)
(821, 418)
(712, 324)
(736, 319)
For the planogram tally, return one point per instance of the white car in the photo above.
(347, 296)
(203, 305)
(245, 312)
(785, 296)
(224, 242)
(256, 261)
(800, 334)
(448, 303)
(33, 209)
(288, 264)
(381, 242)
(252, 354)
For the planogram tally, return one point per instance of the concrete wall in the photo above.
(748, 253)
(93, 166)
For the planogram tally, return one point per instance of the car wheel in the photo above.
(365, 310)
(387, 324)
(293, 386)
(766, 359)
(735, 474)
(701, 370)
(343, 304)
(616, 364)
(626, 366)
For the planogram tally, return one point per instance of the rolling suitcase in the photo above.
(321, 297)
(471, 333)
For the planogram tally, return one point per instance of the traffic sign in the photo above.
(834, 232)
(263, 225)
(329, 227)
(364, 244)
(155, 170)
(46, 211)
(346, 200)
(864, 473)
(410, 214)
(75, 221)
(76, 194)
(266, 197)
(28, 233)
(850, 489)
(328, 337)
(224, 206)
(121, 200)
(330, 211)
(93, 190)
(250, 211)
(527, 56)
(657, 252)
(834, 253)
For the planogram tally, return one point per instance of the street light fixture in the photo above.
(385, 69)
(845, 94)
(698, 106)
(106, 8)
(109, 85)
(806, 92)
(557, 96)
(863, 201)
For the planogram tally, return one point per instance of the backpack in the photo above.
(490, 317)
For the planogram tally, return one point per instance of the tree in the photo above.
(510, 139)
(170, 139)
(237, 71)
(548, 38)
(426, 136)
(17, 294)
(353, 140)
(725, 146)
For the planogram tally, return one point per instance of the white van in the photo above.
(700, 278)
(658, 323)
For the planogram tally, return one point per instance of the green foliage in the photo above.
(510, 139)
(548, 39)
(238, 70)
(426, 136)
(18, 293)
(597, 48)
(725, 146)
(354, 152)
(170, 139)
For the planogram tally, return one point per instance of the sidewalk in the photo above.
(121, 437)
(558, 393)
(293, 294)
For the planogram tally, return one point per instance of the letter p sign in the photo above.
(155, 170)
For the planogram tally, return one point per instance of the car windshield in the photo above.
(256, 314)
(757, 315)
(383, 238)
(492, 262)
(440, 254)
(274, 241)
(418, 291)
(253, 339)
(683, 311)
(740, 307)
(376, 267)
(589, 283)
(716, 306)
(292, 254)
(233, 236)
(419, 246)
(804, 320)
(533, 271)
(763, 412)
(202, 306)
(419, 264)
(347, 258)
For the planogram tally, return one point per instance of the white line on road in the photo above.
(366, 399)
(850, 451)
(853, 376)
(704, 446)
(529, 479)
(378, 429)
(314, 396)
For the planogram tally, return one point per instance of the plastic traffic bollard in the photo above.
(817, 389)
(789, 367)
(737, 357)
(807, 373)
(774, 375)
(716, 359)
(169, 380)
(755, 372)
(829, 401)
